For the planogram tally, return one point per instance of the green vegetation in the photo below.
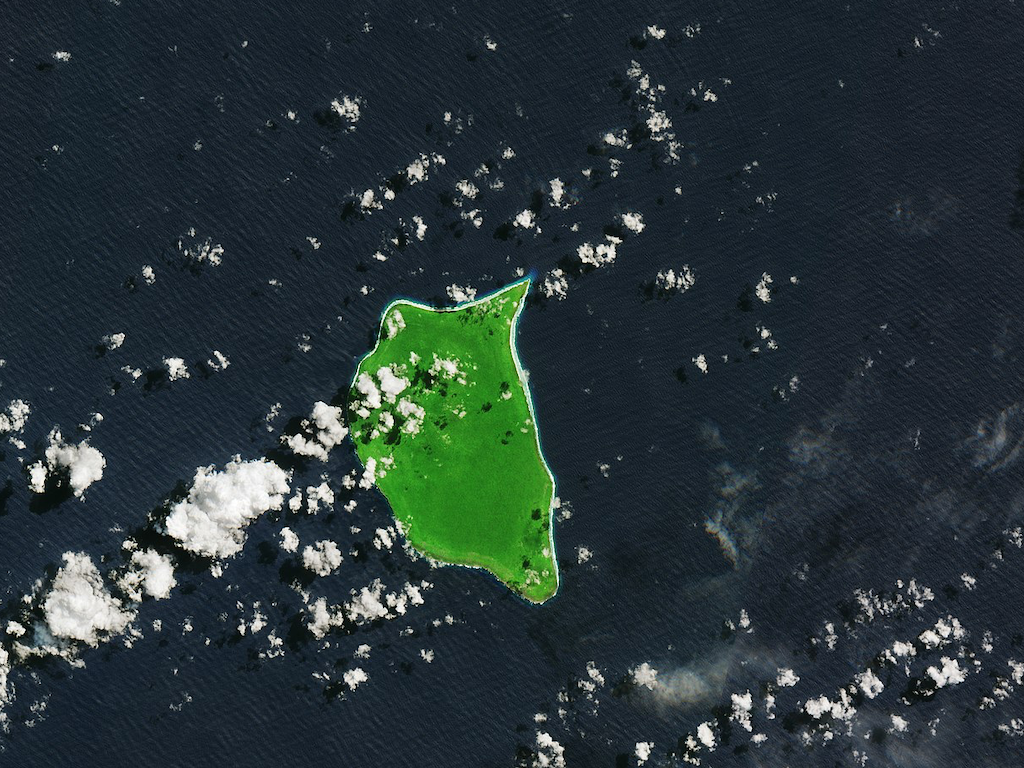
(442, 420)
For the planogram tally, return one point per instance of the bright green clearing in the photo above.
(442, 420)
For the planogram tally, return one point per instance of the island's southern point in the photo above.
(443, 422)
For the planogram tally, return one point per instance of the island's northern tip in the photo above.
(443, 423)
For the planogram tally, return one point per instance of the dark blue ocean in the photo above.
(857, 431)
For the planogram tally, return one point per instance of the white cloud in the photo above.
(390, 384)
(176, 368)
(148, 573)
(219, 361)
(460, 293)
(706, 735)
(81, 464)
(370, 603)
(371, 395)
(348, 109)
(79, 606)
(327, 427)
(289, 540)
(555, 286)
(323, 558)
(526, 219)
(199, 252)
(645, 675)
(6, 692)
(220, 504)
(414, 415)
(869, 683)
(369, 474)
(113, 340)
(643, 751)
(37, 477)
(466, 188)
(15, 417)
(599, 255)
(558, 194)
(394, 323)
(317, 495)
(671, 281)
(550, 754)
(948, 674)
(634, 222)
(742, 704)
(355, 677)
(786, 678)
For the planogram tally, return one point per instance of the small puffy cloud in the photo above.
(643, 751)
(176, 368)
(220, 504)
(317, 495)
(321, 432)
(706, 735)
(786, 678)
(348, 109)
(289, 540)
(559, 197)
(113, 340)
(367, 387)
(149, 573)
(5, 668)
(367, 604)
(218, 362)
(869, 683)
(355, 677)
(390, 384)
(550, 754)
(369, 474)
(669, 281)
(526, 219)
(948, 673)
(599, 255)
(322, 558)
(645, 675)
(13, 419)
(37, 477)
(79, 606)
(80, 465)
(555, 285)
(460, 293)
(197, 251)
(634, 222)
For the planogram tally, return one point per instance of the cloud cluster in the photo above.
(322, 558)
(370, 603)
(113, 340)
(79, 606)
(176, 368)
(321, 432)
(198, 251)
(149, 573)
(81, 465)
(12, 420)
(220, 504)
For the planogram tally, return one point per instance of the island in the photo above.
(442, 420)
